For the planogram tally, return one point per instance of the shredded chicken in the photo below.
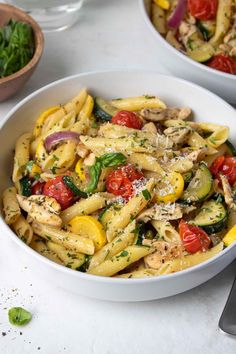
(150, 127)
(81, 150)
(171, 211)
(228, 193)
(164, 251)
(157, 114)
(178, 134)
(185, 31)
(90, 159)
(41, 208)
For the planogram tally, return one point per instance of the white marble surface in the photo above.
(110, 34)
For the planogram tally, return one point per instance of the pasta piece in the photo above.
(141, 273)
(23, 229)
(40, 246)
(74, 105)
(61, 159)
(66, 239)
(99, 145)
(138, 103)
(41, 208)
(188, 261)
(195, 140)
(219, 134)
(146, 162)
(166, 231)
(134, 206)
(126, 238)
(83, 207)
(223, 18)
(175, 265)
(69, 259)
(121, 260)
(84, 119)
(113, 131)
(10, 205)
(22, 153)
(158, 18)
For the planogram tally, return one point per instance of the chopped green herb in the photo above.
(124, 253)
(146, 194)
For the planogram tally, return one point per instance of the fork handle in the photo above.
(227, 321)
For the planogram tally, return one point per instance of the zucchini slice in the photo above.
(199, 187)
(207, 28)
(212, 217)
(103, 110)
(231, 148)
(198, 49)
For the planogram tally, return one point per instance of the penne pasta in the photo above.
(70, 259)
(22, 153)
(23, 229)
(11, 206)
(66, 239)
(138, 103)
(121, 260)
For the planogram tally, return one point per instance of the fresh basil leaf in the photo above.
(112, 159)
(18, 316)
(94, 173)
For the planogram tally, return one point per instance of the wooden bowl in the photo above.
(9, 85)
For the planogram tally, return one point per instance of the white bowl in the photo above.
(175, 92)
(181, 65)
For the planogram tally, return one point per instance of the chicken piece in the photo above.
(150, 127)
(171, 211)
(90, 159)
(179, 134)
(228, 193)
(41, 208)
(185, 31)
(164, 251)
(81, 150)
(157, 114)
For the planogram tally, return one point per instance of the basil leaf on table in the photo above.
(18, 316)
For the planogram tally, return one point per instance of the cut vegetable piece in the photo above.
(230, 237)
(199, 187)
(103, 110)
(199, 50)
(170, 188)
(212, 217)
(88, 226)
(231, 148)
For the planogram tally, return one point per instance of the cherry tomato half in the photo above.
(193, 237)
(57, 189)
(203, 9)
(223, 63)
(226, 166)
(38, 188)
(119, 182)
(129, 119)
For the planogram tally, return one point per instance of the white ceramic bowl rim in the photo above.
(95, 278)
(179, 53)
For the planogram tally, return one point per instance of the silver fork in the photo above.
(227, 321)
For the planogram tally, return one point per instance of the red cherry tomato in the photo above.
(193, 237)
(38, 188)
(119, 182)
(57, 189)
(223, 63)
(226, 166)
(203, 9)
(129, 119)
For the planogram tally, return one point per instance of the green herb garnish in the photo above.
(16, 47)
(146, 194)
(18, 316)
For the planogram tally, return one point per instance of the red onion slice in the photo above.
(177, 15)
(56, 138)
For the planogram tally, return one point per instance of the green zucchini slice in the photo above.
(212, 217)
(199, 187)
(103, 110)
(231, 148)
